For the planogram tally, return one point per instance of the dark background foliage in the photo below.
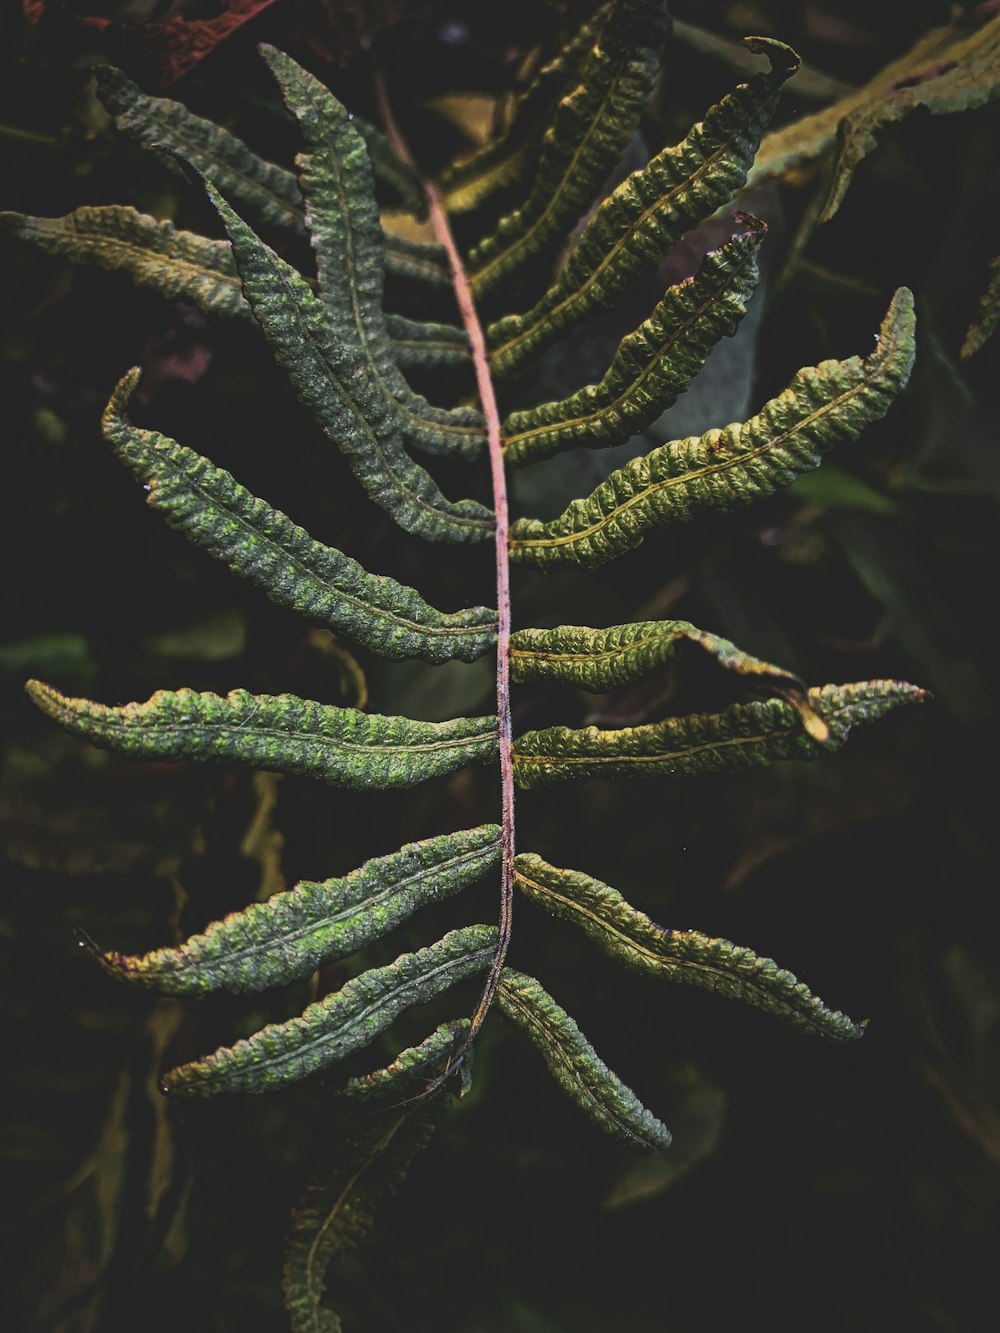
(810, 1186)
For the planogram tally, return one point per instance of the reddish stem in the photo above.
(487, 397)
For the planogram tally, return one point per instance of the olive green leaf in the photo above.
(632, 939)
(346, 235)
(742, 736)
(413, 1070)
(653, 365)
(292, 933)
(337, 385)
(949, 69)
(987, 313)
(591, 128)
(279, 732)
(601, 659)
(337, 1211)
(635, 226)
(424, 344)
(340, 1023)
(577, 1067)
(259, 543)
(725, 469)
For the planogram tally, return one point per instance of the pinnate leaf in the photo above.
(638, 943)
(987, 313)
(278, 732)
(292, 933)
(213, 511)
(576, 1066)
(725, 469)
(413, 1070)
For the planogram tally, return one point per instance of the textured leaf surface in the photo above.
(180, 265)
(949, 69)
(987, 313)
(633, 940)
(653, 365)
(413, 1070)
(279, 732)
(340, 1023)
(212, 510)
(346, 234)
(601, 659)
(420, 262)
(590, 130)
(742, 736)
(337, 386)
(725, 469)
(337, 1213)
(419, 343)
(577, 1067)
(637, 224)
(292, 933)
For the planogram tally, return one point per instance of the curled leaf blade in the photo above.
(292, 933)
(261, 544)
(278, 732)
(413, 1070)
(741, 737)
(342, 1022)
(576, 1066)
(725, 469)
(634, 940)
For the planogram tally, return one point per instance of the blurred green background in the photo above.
(810, 1187)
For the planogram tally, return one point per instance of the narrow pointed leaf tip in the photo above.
(743, 736)
(415, 1071)
(291, 934)
(632, 939)
(577, 1067)
(340, 1023)
(216, 513)
(279, 732)
(725, 469)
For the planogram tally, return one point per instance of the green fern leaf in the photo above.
(259, 543)
(420, 262)
(725, 469)
(348, 403)
(413, 1070)
(987, 313)
(180, 265)
(336, 176)
(601, 659)
(742, 736)
(591, 129)
(419, 343)
(635, 226)
(337, 1213)
(342, 1022)
(638, 943)
(577, 1067)
(279, 732)
(292, 933)
(653, 365)
(512, 160)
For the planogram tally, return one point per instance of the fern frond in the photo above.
(346, 235)
(414, 1069)
(179, 265)
(424, 344)
(725, 469)
(259, 543)
(420, 262)
(342, 1022)
(348, 402)
(279, 732)
(987, 314)
(742, 736)
(338, 1212)
(635, 226)
(577, 1067)
(590, 130)
(511, 160)
(292, 933)
(653, 365)
(632, 939)
(601, 659)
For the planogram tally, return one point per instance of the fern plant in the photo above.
(518, 290)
